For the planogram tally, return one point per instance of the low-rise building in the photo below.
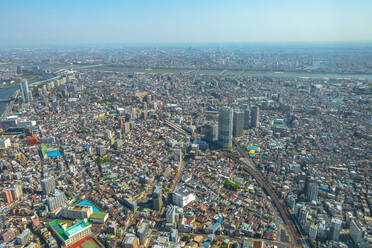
(70, 234)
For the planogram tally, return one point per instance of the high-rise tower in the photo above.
(255, 120)
(25, 92)
(238, 123)
(225, 127)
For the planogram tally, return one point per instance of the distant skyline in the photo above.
(69, 22)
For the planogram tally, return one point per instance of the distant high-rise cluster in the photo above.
(231, 123)
(19, 70)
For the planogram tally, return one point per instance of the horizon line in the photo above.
(102, 44)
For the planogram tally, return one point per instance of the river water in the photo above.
(237, 73)
(6, 93)
(216, 72)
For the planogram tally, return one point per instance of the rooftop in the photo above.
(65, 234)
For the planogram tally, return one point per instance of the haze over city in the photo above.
(164, 21)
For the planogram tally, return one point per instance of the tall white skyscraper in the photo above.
(25, 92)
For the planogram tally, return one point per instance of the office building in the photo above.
(23, 237)
(312, 192)
(76, 211)
(225, 127)
(108, 134)
(130, 241)
(181, 197)
(302, 214)
(174, 235)
(130, 203)
(157, 198)
(19, 69)
(357, 231)
(112, 227)
(56, 201)
(48, 185)
(170, 214)
(7, 195)
(143, 233)
(25, 92)
(178, 155)
(101, 150)
(17, 192)
(247, 118)
(308, 180)
(255, 117)
(313, 230)
(334, 231)
(5, 143)
(211, 133)
(238, 123)
(98, 217)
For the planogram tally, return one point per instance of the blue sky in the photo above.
(36, 22)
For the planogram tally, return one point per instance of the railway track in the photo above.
(269, 190)
(175, 127)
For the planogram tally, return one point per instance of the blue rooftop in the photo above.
(54, 154)
(95, 209)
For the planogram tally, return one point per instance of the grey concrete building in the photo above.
(225, 127)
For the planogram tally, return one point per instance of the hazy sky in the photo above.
(33, 22)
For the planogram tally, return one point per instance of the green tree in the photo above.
(99, 160)
(106, 159)
(185, 238)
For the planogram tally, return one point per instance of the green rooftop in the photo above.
(43, 149)
(98, 215)
(65, 234)
(58, 229)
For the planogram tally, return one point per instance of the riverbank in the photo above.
(234, 73)
(225, 70)
(187, 69)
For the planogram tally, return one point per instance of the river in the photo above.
(237, 73)
(7, 93)
(218, 72)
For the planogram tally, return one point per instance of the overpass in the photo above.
(251, 169)
(43, 81)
